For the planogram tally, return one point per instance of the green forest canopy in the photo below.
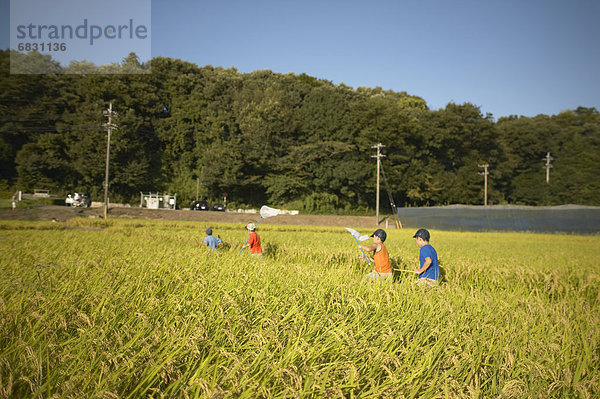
(283, 139)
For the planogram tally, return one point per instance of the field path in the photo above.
(62, 213)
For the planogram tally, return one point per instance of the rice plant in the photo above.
(133, 308)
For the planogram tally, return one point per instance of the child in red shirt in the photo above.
(253, 241)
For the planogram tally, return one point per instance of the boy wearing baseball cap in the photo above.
(429, 270)
(253, 241)
(211, 241)
(381, 258)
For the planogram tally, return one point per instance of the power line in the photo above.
(391, 198)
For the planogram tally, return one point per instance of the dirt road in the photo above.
(62, 213)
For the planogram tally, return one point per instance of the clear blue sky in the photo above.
(506, 56)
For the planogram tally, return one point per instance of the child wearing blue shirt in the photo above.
(429, 270)
(211, 241)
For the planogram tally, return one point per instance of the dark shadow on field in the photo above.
(442, 273)
(397, 266)
(400, 273)
(271, 250)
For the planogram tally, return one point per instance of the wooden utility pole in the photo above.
(197, 187)
(109, 126)
(548, 158)
(379, 155)
(485, 175)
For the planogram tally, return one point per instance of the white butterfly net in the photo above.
(267, 212)
(357, 235)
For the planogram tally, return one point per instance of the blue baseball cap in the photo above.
(380, 233)
(423, 233)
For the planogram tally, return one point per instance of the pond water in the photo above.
(561, 219)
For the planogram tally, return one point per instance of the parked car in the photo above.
(218, 207)
(199, 206)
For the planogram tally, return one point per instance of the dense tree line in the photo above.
(286, 139)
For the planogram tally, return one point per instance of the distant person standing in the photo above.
(429, 270)
(253, 241)
(14, 202)
(211, 241)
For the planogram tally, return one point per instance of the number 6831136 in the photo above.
(43, 46)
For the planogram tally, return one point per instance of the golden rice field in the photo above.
(137, 309)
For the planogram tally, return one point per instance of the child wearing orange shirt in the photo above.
(381, 258)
